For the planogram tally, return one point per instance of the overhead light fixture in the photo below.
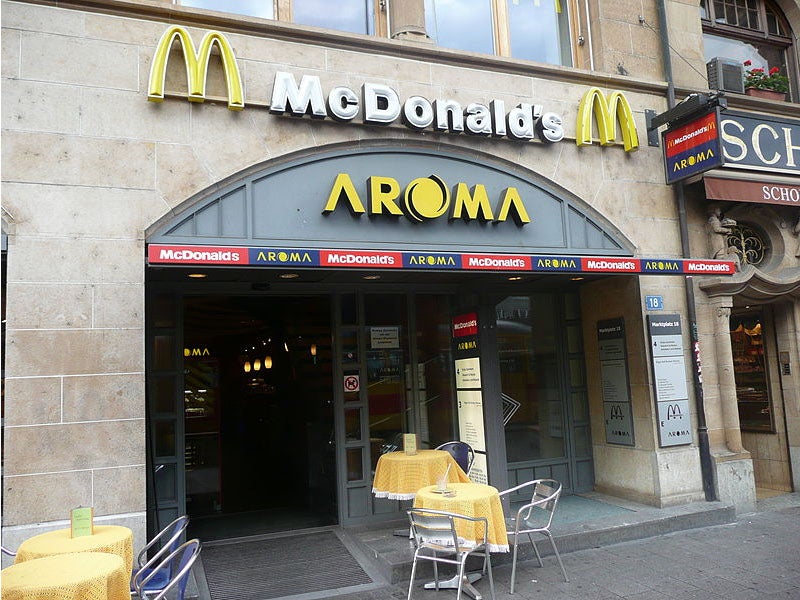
(247, 366)
(197, 275)
(371, 277)
(257, 364)
(575, 278)
(267, 362)
(515, 278)
(313, 349)
(289, 275)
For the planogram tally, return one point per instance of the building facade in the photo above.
(245, 252)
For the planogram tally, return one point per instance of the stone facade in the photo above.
(89, 165)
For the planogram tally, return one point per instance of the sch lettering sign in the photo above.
(761, 142)
(379, 104)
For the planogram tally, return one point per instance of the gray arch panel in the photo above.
(281, 204)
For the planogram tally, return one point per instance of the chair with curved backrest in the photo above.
(535, 516)
(179, 564)
(462, 452)
(436, 540)
(170, 539)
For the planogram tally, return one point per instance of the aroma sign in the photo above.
(425, 198)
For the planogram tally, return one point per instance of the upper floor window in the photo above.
(749, 30)
(535, 30)
(354, 16)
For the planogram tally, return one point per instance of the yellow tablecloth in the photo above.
(471, 500)
(398, 475)
(78, 576)
(113, 539)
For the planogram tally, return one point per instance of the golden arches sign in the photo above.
(607, 111)
(196, 66)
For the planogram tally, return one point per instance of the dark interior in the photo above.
(259, 415)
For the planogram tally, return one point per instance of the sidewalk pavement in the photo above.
(755, 557)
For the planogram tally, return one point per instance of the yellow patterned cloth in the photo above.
(471, 500)
(113, 539)
(79, 576)
(398, 475)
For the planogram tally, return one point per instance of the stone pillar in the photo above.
(407, 20)
(727, 382)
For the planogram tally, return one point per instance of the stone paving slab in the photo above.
(756, 557)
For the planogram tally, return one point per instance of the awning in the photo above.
(765, 191)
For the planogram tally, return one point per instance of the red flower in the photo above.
(757, 70)
(773, 70)
(747, 63)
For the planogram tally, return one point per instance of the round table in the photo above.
(77, 576)
(398, 475)
(471, 500)
(112, 539)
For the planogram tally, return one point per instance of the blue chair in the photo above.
(170, 539)
(178, 564)
(462, 452)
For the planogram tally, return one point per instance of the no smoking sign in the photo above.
(351, 383)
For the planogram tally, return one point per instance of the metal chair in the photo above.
(178, 563)
(170, 539)
(7, 552)
(436, 540)
(462, 452)
(535, 517)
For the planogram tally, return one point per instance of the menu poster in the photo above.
(81, 521)
(410, 443)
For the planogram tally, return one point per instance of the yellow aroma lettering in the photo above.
(424, 199)
(471, 345)
(692, 160)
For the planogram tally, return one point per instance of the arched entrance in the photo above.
(365, 255)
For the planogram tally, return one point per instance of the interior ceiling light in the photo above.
(576, 278)
(515, 278)
(289, 275)
(371, 277)
(197, 275)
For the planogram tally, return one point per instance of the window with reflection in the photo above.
(527, 335)
(252, 8)
(536, 30)
(753, 31)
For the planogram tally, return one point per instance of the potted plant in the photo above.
(765, 84)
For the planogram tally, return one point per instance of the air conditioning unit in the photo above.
(726, 74)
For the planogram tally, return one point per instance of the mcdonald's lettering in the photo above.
(674, 412)
(196, 66)
(607, 112)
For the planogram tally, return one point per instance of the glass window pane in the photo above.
(526, 337)
(750, 372)
(165, 482)
(165, 438)
(355, 466)
(539, 31)
(349, 15)
(164, 352)
(461, 24)
(435, 402)
(574, 338)
(253, 8)
(580, 406)
(352, 424)
(582, 445)
(163, 390)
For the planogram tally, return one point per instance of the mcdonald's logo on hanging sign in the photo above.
(608, 111)
(196, 66)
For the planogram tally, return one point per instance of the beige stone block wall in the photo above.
(89, 165)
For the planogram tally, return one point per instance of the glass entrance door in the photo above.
(391, 383)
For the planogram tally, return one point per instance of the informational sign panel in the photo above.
(614, 382)
(617, 411)
(669, 374)
(693, 148)
(384, 337)
(469, 393)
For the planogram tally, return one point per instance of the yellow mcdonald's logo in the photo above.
(607, 111)
(196, 66)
